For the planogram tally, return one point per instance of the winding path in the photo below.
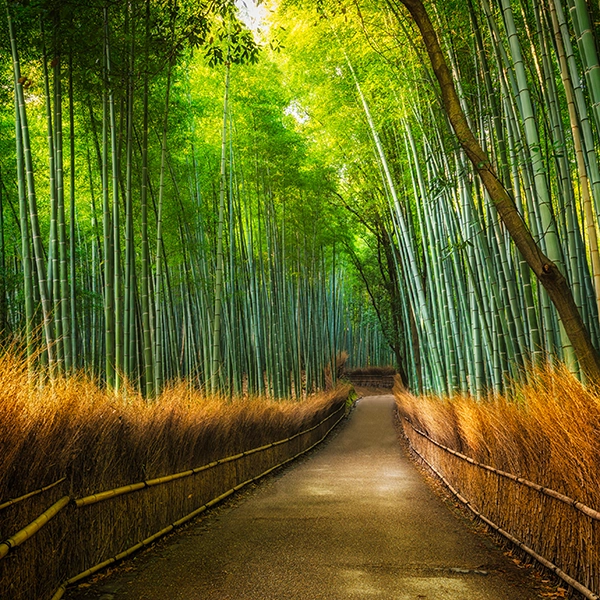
(353, 521)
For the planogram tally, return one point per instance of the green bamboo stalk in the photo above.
(72, 248)
(581, 141)
(148, 346)
(108, 230)
(53, 264)
(26, 261)
(587, 49)
(550, 239)
(32, 199)
(115, 241)
(404, 237)
(61, 276)
(129, 329)
(159, 346)
(3, 269)
(216, 330)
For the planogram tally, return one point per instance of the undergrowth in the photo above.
(547, 430)
(91, 440)
(100, 440)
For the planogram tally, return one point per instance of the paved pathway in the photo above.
(354, 521)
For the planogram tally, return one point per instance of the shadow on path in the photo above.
(354, 521)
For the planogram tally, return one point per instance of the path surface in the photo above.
(354, 521)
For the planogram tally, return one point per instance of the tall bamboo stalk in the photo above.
(32, 199)
(216, 330)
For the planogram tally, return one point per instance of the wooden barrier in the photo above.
(372, 380)
(557, 531)
(31, 494)
(146, 510)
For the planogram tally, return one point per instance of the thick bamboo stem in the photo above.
(30, 530)
(30, 494)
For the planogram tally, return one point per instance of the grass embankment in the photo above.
(99, 441)
(548, 432)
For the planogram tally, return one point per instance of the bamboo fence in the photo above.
(559, 532)
(14, 501)
(383, 377)
(77, 537)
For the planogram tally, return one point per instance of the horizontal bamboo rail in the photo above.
(101, 496)
(24, 534)
(584, 591)
(30, 494)
(586, 510)
(61, 590)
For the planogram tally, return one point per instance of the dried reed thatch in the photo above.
(76, 441)
(546, 433)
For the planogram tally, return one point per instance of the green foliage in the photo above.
(284, 228)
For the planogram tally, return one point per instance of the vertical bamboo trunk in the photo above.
(216, 330)
(159, 345)
(32, 199)
(405, 241)
(62, 275)
(117, 286)
(129, 328)
(589, 55)
(72, 259)
(550, 241)
(26, 261)
(148, 348)
(3, 271)
(108, 231)
(53, 276)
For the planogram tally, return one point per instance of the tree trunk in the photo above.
(545, 270)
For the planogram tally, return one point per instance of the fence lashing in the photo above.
(583, 590)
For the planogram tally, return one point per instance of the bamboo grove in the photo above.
(182, 201)
(160, 218)
(472, 316)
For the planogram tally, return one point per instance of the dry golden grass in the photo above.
(548, 431)
(72, 427)
(100, 441)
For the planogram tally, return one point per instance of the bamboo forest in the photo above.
(217, 216)
(187, 198)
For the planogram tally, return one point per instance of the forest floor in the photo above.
(354, 520)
